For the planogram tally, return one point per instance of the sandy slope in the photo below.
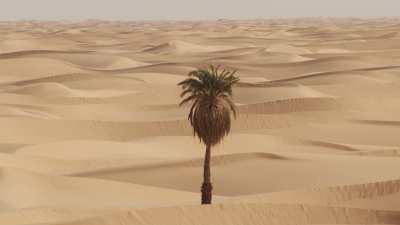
(93, 134)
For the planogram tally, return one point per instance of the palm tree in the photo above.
(210, 92)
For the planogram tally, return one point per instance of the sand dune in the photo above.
(338, 72)
(170, 68)
(156, 78)
(23, 111)
(56, 90)
(34, 216)
(27, 53)
(86, 59)
(291, 105)
(283, 48)
(251, 95)
(83, 81)
(22, 189)
(229, 171)
(376, 195)
(256, 213)
(96, 61)
(181, 47)
(93, 150)
(7, 99)
(262, 56)
(92, 133)
(33, 68)
(27, 130)
(15, 45)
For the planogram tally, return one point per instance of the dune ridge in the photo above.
(256, 213)
(181, 47)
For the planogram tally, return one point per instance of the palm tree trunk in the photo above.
(206, 188)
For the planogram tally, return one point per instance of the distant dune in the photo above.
(181, 47)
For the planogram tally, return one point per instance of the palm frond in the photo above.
(210, 92)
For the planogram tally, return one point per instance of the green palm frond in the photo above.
(210, 92)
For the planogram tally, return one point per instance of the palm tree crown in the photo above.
(210, 91)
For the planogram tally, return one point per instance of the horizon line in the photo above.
(202, 20)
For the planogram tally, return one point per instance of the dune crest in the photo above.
(182, 47)
(56, 90)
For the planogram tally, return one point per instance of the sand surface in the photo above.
(92, 133)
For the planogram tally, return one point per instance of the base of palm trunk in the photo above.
(206, 193)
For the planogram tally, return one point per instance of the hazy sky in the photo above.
(193, 9)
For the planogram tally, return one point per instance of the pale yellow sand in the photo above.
(92, 133)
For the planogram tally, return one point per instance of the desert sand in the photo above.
(92, 133)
